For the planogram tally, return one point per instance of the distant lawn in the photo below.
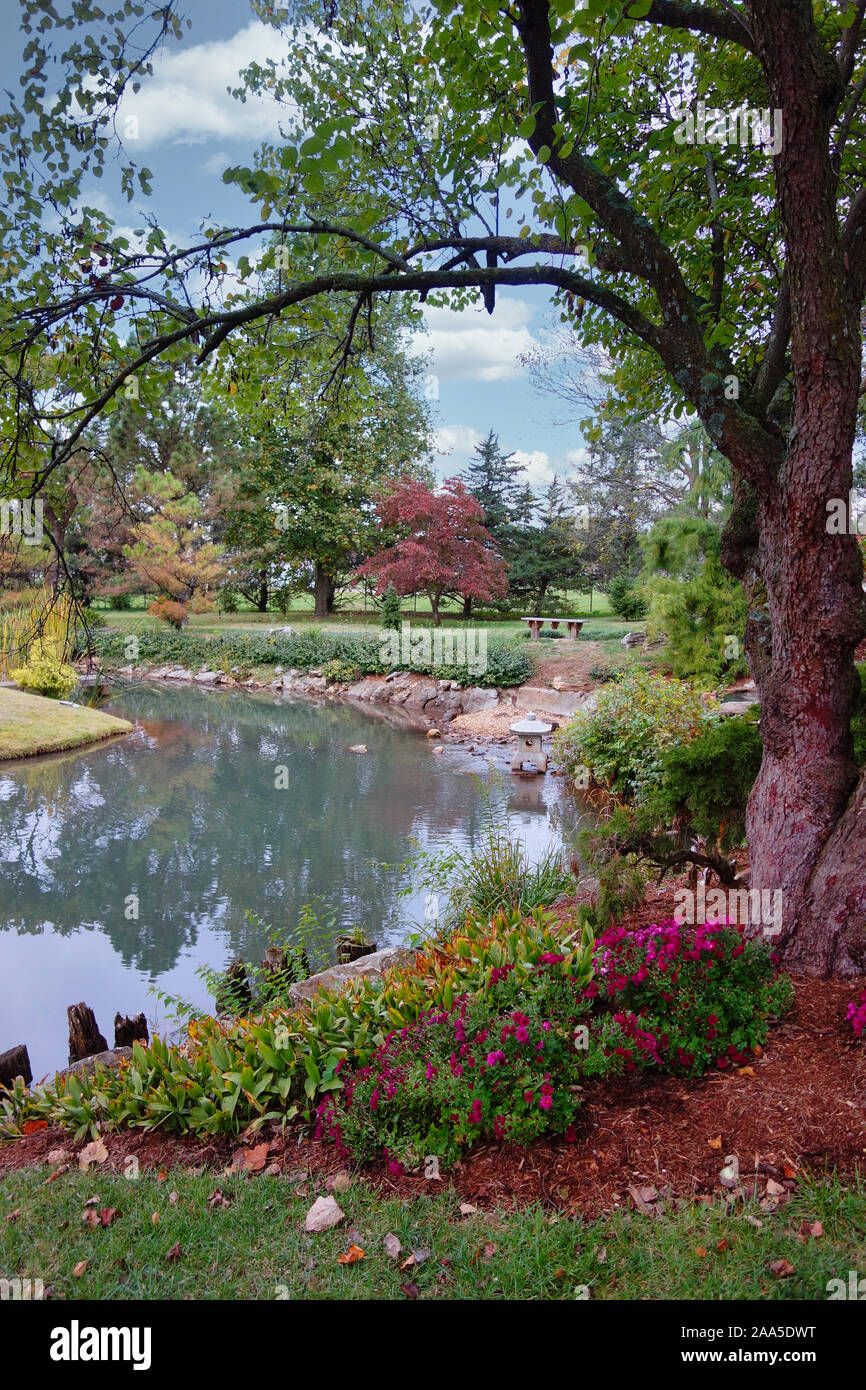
(136, 618)
(173, 1239)
(30, 724)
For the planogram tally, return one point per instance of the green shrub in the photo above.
(694, 813)
(339, 672)
(626, 600)
(699, 607)
(507, 662)
(639, 716)
(44, 673)
(227, 600)
(509, 1064)
(501, 1065)
(687, 997)
(708, 781)
(390, 612)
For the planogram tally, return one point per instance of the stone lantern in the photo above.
(530, 732)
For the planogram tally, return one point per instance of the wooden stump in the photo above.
(234, 994)
(130, 1030)
(348, 949)
(13, 1063)
(279, 968)
(85, 1038)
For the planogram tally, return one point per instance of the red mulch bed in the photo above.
(802, 1105)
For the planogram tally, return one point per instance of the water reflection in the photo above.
(133, 862)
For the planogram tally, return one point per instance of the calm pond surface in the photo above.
(186, 815)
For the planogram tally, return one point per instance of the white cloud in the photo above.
(186, 101)
(536, 466)
(577, 458)
(472, 345)
(457, 442)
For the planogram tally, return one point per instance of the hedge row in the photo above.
(506, 661)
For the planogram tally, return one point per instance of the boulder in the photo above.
(420, 693)
(210, 677)
(110, 1058)
(476, 699)
(339, 975)
(634, 639)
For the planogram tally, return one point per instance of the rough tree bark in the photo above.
(807, 812)
(324, 591)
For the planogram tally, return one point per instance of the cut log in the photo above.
(234, 995)
(15, 1063)
(84, 1036)
(279, 968)
(130, 1030)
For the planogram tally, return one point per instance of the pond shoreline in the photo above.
(480, 716)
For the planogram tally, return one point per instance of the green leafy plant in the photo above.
(45, 673)
(626, 600)
(638, 717)
(390, 612)
(338, 672)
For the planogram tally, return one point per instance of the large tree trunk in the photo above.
(434, 609)
(324, 593)
(263, 594)
(807, 811)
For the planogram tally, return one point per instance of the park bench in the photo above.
(536, 624)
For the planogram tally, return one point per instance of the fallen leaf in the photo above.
(753, 1221)
(94, 1152)
(162, 1175)
(342, 1182)
(323, 1214)
(489, 1251)
(715, 1143)
(58, 1156)
(701, 1252)
(90, 1218)
(13, 1215)
(155, 1218)
(811, 1228)
(392, 1246)
(255, 1159)
(774, 1189)
(174, 1253)
(34, 1126)
(172, 1199)
(218, 1198)
(722, 1245)
(352, 1256)
(80, 1268)
(790, 1171)
(746, 1071)
(410, 1290)
(467, 1209)
(641, 1202)
(782, 1269)
(109, 1215)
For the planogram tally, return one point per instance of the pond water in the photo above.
(218, 804)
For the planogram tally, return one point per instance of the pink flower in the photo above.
(545, 1102)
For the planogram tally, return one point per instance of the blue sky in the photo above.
(190, 129)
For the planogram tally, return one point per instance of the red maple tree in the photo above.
(447, 549)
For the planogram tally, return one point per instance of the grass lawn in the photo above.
(31, 724)
(168, 1241)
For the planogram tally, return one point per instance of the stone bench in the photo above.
(536, 624)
